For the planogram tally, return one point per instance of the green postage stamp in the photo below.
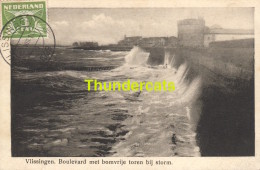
(24, 19)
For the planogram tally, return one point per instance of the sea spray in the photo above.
(160, 123)
(137, 56)
(169, 60)
(100, 123)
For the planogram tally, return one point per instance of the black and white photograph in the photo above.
(131, 82)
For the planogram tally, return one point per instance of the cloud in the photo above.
(109, 26)
(106, 30)
(61, 31)
(100, 28)
(103, 29)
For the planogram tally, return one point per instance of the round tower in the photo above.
(191, 32)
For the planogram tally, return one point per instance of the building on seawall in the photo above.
(149, 41)
(191, 32)
(129, 41)
(194, 33)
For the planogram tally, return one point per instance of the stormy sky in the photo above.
(109, 25)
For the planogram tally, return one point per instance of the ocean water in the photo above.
(53, 114)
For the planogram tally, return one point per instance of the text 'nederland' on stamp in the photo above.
(26, 26)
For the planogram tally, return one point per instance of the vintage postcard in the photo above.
(135, 85)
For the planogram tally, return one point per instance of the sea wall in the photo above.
(226, 119)
(236, 63)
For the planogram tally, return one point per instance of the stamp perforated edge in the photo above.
(11, 1)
